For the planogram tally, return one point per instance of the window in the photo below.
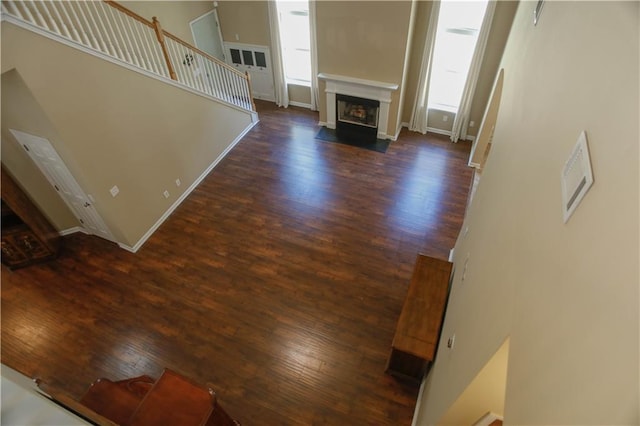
(459, 24)
(295, 40)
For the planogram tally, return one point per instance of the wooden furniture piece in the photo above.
(418, 330)
(171, 400)
(27, 236)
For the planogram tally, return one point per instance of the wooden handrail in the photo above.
(200, 52)
(131, 13)
(160, 35)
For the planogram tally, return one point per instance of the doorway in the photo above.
(207, 35)
(55, 170)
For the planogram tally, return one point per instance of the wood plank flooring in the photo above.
(278, 281)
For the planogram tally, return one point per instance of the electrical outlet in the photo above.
(445, 118)
(472, 124)
(178, 183)
(451, 342)
(166, 194)
(114, 191)
(237, 37)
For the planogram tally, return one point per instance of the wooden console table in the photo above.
(418, 331)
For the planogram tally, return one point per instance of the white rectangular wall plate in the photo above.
(577, 177)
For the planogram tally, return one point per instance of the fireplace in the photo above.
(357, 118)
(369, 95)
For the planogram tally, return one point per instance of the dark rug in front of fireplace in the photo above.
(329, 135)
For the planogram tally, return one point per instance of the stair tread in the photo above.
(173, 399)
(111, 400)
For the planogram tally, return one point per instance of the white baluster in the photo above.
(113, 38)
(243, 92)
(106, 36)
(212, 79)
(176, 60)
(207, 75)
(94, 41)
(186, 56)
(236, 84)
(154, 46)
(13, 9)
(39, 18)
(27, 12)
(124, 49)
(52, 23)
(220, 72)
(144, 51)
(82, 37)
(94, 27)
(134, 42)
(228, 83)
(128, 44)
(195, 70)
(56, 12)
(240, 92)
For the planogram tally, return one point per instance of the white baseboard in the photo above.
(416, 411)
(300, 104)
(439, 131)
(322, 123)
(185, 194)
(487, 419)
(73, 230)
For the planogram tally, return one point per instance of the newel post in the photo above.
(165, 52)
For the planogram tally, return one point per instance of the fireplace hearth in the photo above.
(357, 118)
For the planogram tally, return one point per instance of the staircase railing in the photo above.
(111, 29)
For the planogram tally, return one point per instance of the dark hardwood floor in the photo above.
(278, 281)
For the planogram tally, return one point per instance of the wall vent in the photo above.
(577, 177)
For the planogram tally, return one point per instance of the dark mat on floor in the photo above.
(329, 135)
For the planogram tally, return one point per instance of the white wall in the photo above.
(566, 294)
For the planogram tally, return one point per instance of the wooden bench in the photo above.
(418, 331)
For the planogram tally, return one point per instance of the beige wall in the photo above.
(364, 40)
(301, 94)
(118, 127)
(249, 20)
(485, 394)
(500, 27)
(565, 294)
(174, 16)
(20, 111)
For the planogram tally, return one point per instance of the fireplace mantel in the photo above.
(362, 88)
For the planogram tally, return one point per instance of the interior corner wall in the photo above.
(566, 294)
(115, 126)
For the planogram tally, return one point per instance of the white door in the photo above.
(51, 165)
(206, 34)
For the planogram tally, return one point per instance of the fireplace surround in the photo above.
(376, 91)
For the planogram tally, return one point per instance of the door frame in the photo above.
(214, 11)
(22, 137)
